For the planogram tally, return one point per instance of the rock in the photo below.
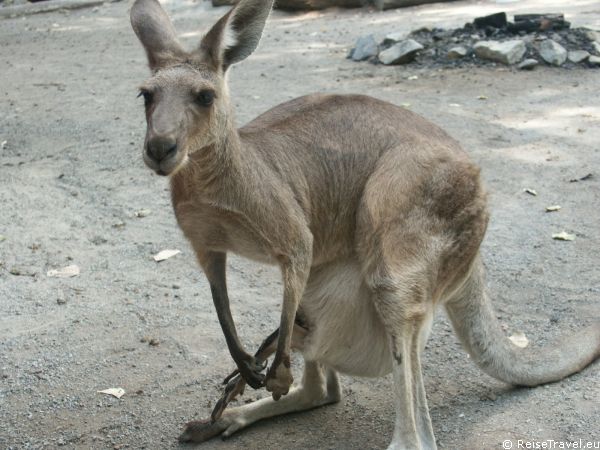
(592, 35)
(594, 60)
(573, 39)
(552, 52)
(508, 52)
(457, 52)
(527, 64)
(365, 48)
(400, 53)
(596, 46)
(577, 56)
(424, 29)
(392, 38)
(439, 34)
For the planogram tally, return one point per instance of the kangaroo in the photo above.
(373, 214)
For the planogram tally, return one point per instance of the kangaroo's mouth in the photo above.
(171, 166)
(167, 166)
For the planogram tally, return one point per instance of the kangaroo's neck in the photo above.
(215, 171)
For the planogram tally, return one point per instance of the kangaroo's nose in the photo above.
(161, 148)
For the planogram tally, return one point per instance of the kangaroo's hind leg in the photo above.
(319, 387)
(405, 326)
(399, 266)
(399, 284)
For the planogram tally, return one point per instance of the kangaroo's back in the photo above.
(326, 147)
(352, 123)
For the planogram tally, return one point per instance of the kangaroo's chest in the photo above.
(212, 227)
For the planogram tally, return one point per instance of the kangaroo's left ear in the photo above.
(237, 34)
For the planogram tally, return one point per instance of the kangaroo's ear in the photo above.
(236, 35)
(156, 33)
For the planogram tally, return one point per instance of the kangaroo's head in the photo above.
(186, 99)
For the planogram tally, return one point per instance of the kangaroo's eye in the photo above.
(147, 97)
(205, 98)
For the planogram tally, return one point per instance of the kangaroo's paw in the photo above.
(202, 430)
(279, 378)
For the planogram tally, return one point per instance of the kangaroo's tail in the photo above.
(479, 331)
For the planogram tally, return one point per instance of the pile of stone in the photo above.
(530, 40)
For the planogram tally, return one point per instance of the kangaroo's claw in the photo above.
(251, 372)
(234, 388)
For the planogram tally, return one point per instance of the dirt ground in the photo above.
(72, 178)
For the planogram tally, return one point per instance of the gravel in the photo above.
(72, 178)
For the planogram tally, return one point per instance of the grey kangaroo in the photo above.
(373, 214)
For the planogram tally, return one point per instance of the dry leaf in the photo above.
(143, 213)
(405, 105)
(563, 236)
(530, 191)
(552, 208)
(519, 339)
(482, 97)
(65, 272)
(115, 392)
(412, 77)
(165, 254)
(2, 238)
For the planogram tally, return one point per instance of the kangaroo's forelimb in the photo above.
(214, 265)
(235, 383)
(265, 350)
(279, 377)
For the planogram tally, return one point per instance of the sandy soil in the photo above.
(72, 178)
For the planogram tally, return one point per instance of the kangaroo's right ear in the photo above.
(156, 33)
(237, 34)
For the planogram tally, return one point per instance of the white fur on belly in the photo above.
(346, 332)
